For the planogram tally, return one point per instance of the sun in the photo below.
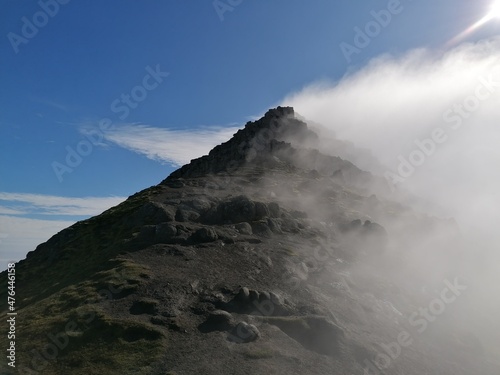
(495, 10)
(493, 14)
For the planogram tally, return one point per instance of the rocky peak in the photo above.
(279, 129)
(284, 271)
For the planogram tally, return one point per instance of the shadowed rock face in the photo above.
(262, 257)
(254, 143)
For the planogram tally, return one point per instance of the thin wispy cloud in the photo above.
(51, 103)
(20, 235)
(10, 211)
(20, 232)
(176, 147)
(25, 204)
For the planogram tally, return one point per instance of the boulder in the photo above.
(264, 296)
(150, 213)
(244, 228)
(375, 235)
(261, 211)
(274, 225)
(374, 228)
(198, 204)
(206, 234)
(174, 183)
(236, 210)
(288, 224)
(274, 209)
(354, 225)
(276, 298)
(243, 295)
(261, 228)
(220, 320)
(253, 295)
(165, 232)
(182, 215)
(244, 333)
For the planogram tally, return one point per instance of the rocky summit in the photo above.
(269, 255)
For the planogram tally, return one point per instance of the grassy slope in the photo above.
(60, 293)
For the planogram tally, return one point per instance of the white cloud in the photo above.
(51, 103)
(392, 102)
(176, 147)
(54, 205)
(10, 211)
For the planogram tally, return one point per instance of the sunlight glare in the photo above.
(494, 13)
(495, 10)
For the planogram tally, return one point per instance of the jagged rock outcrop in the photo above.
(254, 143)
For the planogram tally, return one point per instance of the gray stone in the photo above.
(205, 235)
(184, 215)
(274, 225)
(274, 209)
(261, 211)
(275, 298)
(236, 210)
(261, 228)
(289, 225)
(244, 228)
(264, 296)
(165, 232)
(220, 320)
(150, 213)
(253, 295)
(174, 183)
(200, 205)
(243, 295)
(244, 333)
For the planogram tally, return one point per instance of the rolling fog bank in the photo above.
(428, 123)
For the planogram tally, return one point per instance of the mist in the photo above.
(427, 122)
(394, 104)
(395, 101)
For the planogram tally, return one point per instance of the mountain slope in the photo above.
(262, 257)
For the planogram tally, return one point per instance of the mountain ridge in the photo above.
(261, 257)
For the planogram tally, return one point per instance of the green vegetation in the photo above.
(258, 353)
(62, 293)
(289, 251)
(313, 332)
(73, 322)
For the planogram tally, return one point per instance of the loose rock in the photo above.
(205, 235)
(244, 333)
(244, 228)
(220, 320)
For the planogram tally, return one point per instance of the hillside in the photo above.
(266, 256)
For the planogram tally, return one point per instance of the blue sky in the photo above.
(196, 73)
